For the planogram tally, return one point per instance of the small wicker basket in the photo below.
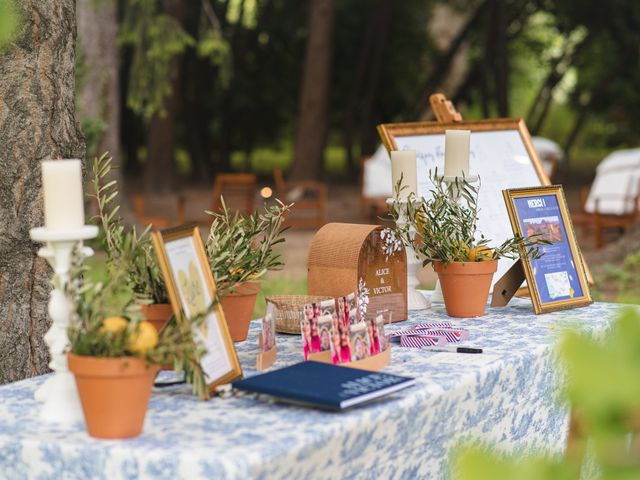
(289, 310)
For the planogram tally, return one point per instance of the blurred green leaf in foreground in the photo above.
(603, 388)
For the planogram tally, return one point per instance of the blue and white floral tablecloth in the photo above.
(507, 396)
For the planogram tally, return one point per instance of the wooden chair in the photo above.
(238, 190)
(599, 222)
(309, 198)
(143, 219)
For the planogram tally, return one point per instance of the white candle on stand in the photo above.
(62, 192)
(403, 164)
(456, 153)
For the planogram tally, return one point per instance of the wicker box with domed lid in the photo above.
(368, 259)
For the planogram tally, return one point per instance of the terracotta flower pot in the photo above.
(158, 314)
(238, 307)
(114, 393)
(465, 286)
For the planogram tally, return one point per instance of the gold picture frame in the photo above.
(191, 288)
(550, 280)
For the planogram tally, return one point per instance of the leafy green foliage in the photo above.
(94, 129)
(156, 38)
(476, 464)
(126, 250)
(603, 388)
(241, 247)
(446, 226)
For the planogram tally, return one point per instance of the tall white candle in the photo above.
(403, 163)
(456, 153)
(62, 191)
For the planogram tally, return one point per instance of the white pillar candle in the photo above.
(62, 192)
(403, 163)
(456, 153)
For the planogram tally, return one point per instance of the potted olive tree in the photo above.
(446, 236)
(115, 354)
(127, 248)
(241, 250)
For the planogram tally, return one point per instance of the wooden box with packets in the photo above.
(368, 259)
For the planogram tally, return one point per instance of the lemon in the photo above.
(476, 254)
(113, 324)
(144, 338)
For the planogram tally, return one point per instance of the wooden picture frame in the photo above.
(558, 280)
(191, 288)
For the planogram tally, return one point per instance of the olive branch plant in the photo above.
(241, 247)
(446, 226)
(133, 250)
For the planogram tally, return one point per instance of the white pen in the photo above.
(453, 349)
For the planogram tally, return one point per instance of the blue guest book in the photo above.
(324, 385)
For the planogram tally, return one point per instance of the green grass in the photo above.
(615, 283)
(619, 283)
(97, 272)
(265, 160)
(278, 286)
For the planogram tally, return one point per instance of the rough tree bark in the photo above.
(36, 121)
(313, 107)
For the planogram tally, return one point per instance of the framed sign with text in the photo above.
(557, 280)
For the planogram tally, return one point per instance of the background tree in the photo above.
(237, 104)
(97, 76)
(36, 121)
(313, 120)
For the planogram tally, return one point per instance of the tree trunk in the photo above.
(444, 62)
(99, 87)
(501, 69)
(36, 121)
(353, 112)
(313, 107)
(368, 135)
(544, 97)
(160, 165)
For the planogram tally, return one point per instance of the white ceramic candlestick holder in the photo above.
(415, 299)
(58, 392)
(436, 296)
